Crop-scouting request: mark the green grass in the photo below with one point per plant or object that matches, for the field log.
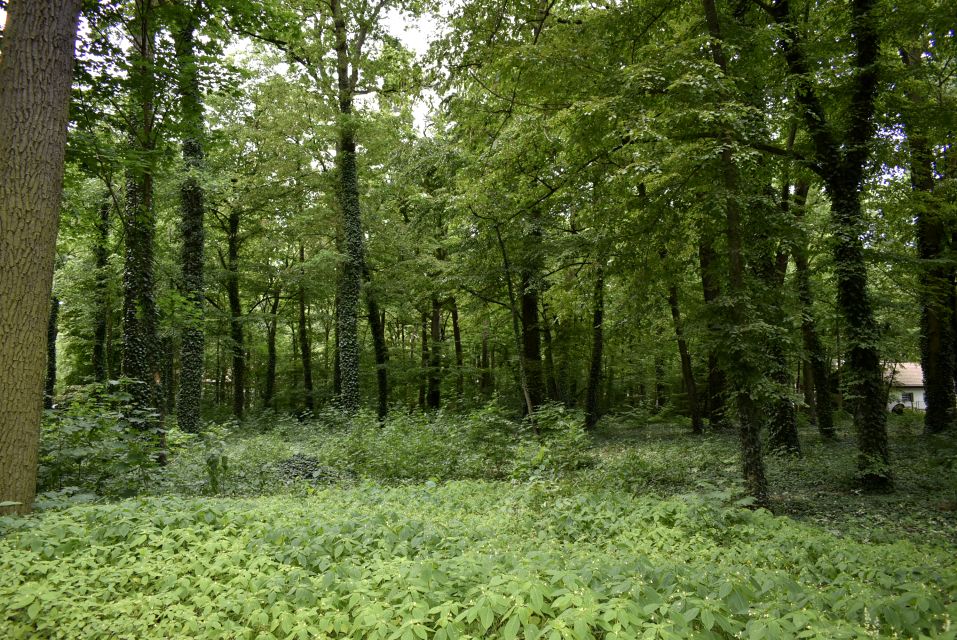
(469, 527)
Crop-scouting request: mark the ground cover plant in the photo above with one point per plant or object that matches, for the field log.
(322, 530)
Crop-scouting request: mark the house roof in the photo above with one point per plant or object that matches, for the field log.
(905, 374)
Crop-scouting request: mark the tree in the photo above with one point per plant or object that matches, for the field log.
(35, 76)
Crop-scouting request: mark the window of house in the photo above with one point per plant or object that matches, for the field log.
(907, 397)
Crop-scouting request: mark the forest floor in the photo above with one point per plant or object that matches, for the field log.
(464, 527)
(818, 487)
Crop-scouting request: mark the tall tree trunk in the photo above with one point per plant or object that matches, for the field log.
(936, 335)
(380, 349)
(661, 392)
(50, 387)
(101, 318)
(818, 383)
(532, 340)
(237, 341)
(459, 357)
(687, 372)
(840, 160)
(305, 347)
(486, 382)
(424, 376)
(193, 347)
(434, 399)
(140, 342)
(272, 325)
(744, 374)
(35, 77)
(592, 392)
(350, 279)
(711, 288)
(551, 381)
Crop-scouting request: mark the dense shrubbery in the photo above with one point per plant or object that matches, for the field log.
(459, 560)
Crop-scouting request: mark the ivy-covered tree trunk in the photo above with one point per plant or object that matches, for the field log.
(840, 157)
(35, 77)
(936, 286)
(193, 347)
(742, 372)
(49, 392)
(101, 294)
(687, 371)
(141, 363)
(593, 390)
(236, 334)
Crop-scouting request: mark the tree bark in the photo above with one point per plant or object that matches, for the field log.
(551, 381)
(434, 399)
(711, 289)
(687, 371)
(35, 76)
(50, 387)
(272, 326)
(741, 369)
(593, 391)
(193, 347)
(101, 318)
(305, 347)
(818, 383)
(237, 340)
(459, 357)
(380, 348)
(424, 377)
(840, 160)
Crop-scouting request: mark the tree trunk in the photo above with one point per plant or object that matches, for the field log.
(551, 381)
(35, 77)
(424, 376)
(486, 382)
(592, 392)
(50, 387)
(101, 319)
(380, 349)
(305, 348)
(840, 162)
(272, 326)
(459, 358)
(237, 341)
(687, 372)
(140, 343)
(193, 347)
(936, 336)
(818, 382)
(434, 399)
(661, 393)
(744, 375)
(532, 340)
(711, 289)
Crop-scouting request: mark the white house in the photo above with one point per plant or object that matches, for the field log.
(906, 380)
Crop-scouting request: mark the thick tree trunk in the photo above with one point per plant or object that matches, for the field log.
(35, 77)
(551, 381)
(237, 340)
(101, 318)
(936, 335)
(50, 388)
(193, 347)
(742, 372)
(592, 392)
(840, 160)
(424, 375)
(305, 347)
(687, 371)
(532, 340)
(140, 343)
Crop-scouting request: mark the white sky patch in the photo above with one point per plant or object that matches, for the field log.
(416, 34)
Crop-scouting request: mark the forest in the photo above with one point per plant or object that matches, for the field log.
(411, 319)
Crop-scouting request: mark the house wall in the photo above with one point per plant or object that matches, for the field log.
(897, 392)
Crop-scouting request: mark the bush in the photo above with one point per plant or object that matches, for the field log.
(98, 443)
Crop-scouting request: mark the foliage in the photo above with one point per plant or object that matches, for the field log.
(98, 442)
(459, 560)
